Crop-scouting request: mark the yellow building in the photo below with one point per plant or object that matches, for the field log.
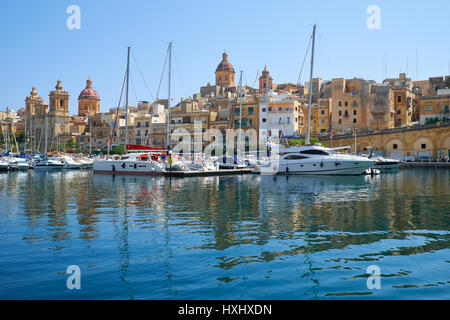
(349, 99)
(435, 108)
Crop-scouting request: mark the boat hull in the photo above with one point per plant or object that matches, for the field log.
(321, 168)
(126, 167)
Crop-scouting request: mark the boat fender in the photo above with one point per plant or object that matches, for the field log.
(321, 164)
(123, 165)
(113, 167)
(287, 169)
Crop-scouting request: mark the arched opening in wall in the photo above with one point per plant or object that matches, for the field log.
(423, 148)
(395, 149)
(61, 103)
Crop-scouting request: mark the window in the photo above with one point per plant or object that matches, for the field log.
(295, 157)
(446, 109)
(346, 103)
(394, 146)
(340, 104)
(429, 108)
(355, 104)
(61, 103)
(264, 109)
(354, 112)
(354, 120)
(147, 124)
(251, 111)
(250, 122)
(323, 111)
(315, 151)
(340, 121)
(346, 113)
(138, 124)
(399, 111)
(323, 121)
(399, 99)
(237, 111)
(264, 120)
(423, 146)
(340, 113)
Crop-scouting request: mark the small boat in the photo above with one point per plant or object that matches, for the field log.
(18, 164)
(372, 172)
(4, 165)
(49, 164)
(384, 163)
(228, 162)
(86, 163)
(70, 163)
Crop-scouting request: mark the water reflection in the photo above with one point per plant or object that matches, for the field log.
(228, 230)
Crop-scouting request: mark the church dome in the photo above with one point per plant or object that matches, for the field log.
(225, 65)
(89, 92)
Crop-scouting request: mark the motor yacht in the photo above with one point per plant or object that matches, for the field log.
(70, 163)
(315, 160)
(18, 164)
(49, 164)
(133, 163)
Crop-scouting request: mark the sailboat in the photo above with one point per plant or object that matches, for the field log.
(133, 163)
(314, 159)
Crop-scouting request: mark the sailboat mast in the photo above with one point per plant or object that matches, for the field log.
(26, 134)
(168, 99)
(46, 131)
(308, 130)
(240, 106)
(126, 99)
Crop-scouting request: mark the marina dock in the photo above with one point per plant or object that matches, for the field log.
(206, 173)
(414, 165)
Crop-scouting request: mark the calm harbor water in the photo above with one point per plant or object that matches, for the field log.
(229, 237)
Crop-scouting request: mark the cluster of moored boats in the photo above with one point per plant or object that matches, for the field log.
(301, 160)
(44, 162)
(314, 160)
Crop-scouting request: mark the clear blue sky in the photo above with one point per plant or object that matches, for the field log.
(37, 48)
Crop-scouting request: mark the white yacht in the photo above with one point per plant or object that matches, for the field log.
(385, 164)
(86, 163)
(133, 163)
(70, 163)
(49, 164)
(228, 162)
(18, 164)
(4, 165)
(315, 160)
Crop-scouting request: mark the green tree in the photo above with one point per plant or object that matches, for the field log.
(118, 149)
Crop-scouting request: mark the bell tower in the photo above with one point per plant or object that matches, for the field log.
(59, 100)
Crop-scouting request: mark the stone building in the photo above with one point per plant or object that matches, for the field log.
(88, 101)
(349, 104)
